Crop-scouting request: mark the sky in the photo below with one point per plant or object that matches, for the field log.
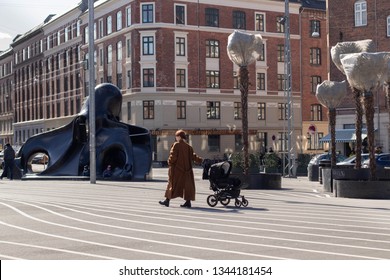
(20, 16)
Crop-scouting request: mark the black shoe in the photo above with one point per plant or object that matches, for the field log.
(164, 202)
(186, 204)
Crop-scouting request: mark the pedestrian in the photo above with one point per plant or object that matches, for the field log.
(181, 182)
(107, 172)
(9, 159)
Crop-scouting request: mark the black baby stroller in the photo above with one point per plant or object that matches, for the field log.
(225, 188)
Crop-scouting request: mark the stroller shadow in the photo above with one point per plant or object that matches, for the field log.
(227, 209)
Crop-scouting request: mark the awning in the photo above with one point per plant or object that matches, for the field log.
(344, 135)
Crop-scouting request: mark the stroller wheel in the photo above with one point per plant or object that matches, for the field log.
(244, 202)
(237, 203)
(212, 200)
(225, 201)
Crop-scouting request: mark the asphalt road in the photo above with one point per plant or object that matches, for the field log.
(73, 220)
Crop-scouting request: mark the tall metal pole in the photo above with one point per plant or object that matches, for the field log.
(287, 91)
(92, 109)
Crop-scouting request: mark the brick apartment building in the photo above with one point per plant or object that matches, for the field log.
(352, 20)
(169, 59)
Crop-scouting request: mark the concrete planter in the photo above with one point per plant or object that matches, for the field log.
(362, 189)
(354, 183)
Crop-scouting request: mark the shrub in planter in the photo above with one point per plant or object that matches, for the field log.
(237, 160)
(272, 162)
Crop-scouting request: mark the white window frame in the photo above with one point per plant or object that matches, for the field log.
(264, 22)
(154, 12)
(148, 33)
(360, 13)
(185, 13)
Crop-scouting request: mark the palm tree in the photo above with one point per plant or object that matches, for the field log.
(330, 94)
(243, 49)
(345, 48)
(366, 72)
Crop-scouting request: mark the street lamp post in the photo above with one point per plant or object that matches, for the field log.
(287, 90)
(83, 5)
(92, 114)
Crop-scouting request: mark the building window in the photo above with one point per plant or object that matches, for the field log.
(118, 20)
(181, 78)
(239, 20)
(147, 13)
(180, 14)
(212, 17)
(119, 51)
(213, 110)
(148, 107)
(261, 111)
(281, 82)
(101, 57)
(236, 84)
(280, 52)
(129, 80)
(109, 25)
(180, 46)
(259, 22)
(212, 48)
(213, 142)
(315, 80)
(261, 56)
(316, 112)
(119, 80)
(148, 45)
(283, 111)
(128, 16)
(181, 109)
(388, 26)
(237, 110)
(238, 143)
(361, 13)
(320, 145)
(260, 81)
(101, 28)
(282, 141)
(315, 27)
(148, 77)
(212, 79)
(280, 24)
(129, 110)
(109, 54)
(315, 56)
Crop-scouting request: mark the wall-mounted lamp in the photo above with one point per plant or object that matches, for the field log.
(315, 33)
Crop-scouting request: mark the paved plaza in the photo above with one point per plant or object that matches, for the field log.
(71, 220)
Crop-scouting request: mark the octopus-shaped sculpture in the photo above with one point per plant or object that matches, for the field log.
(117, 144)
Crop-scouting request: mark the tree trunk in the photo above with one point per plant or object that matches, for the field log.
(369, 112)
(359, 125)
(332, 124)
(244, 85)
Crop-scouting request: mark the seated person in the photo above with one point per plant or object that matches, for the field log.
(107, 172)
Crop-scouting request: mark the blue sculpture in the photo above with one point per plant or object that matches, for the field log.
(117, 144)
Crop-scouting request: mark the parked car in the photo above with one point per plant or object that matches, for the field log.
(40, 159)
(317, 158)
(382, 161)
(351, 161)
